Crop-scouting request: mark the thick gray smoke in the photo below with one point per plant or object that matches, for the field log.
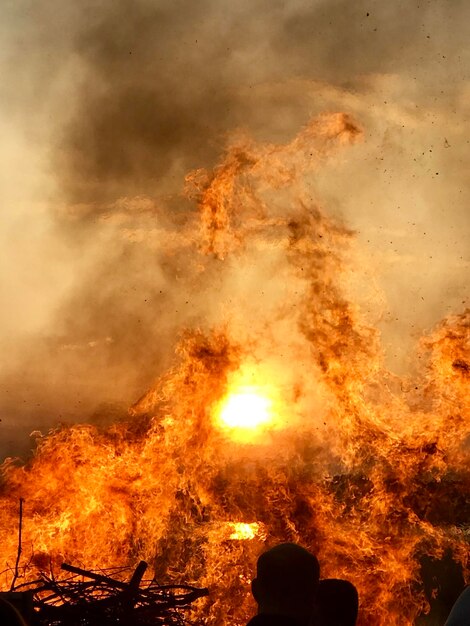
(105, 106)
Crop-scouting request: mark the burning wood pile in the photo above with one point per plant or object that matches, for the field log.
(89, 598)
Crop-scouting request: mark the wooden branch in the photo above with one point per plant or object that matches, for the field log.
(101, 599)
(94, 576)
(138, 575)
(18, 555)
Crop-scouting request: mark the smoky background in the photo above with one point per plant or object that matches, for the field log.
(105, 106)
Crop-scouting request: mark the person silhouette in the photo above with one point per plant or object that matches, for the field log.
(285, 586)
(460, 613)
(9, 616)
(337, 603)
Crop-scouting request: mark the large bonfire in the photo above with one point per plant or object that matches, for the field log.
(277, 422)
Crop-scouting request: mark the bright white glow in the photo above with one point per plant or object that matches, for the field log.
(245, 409)
(242, 531)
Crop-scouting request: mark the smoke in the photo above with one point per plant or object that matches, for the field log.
(106, 107)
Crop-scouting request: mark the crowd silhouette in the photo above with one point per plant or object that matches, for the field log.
(289, 592)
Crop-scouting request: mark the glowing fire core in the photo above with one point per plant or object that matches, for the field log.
(246, 409)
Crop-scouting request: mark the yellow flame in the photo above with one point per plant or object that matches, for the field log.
(242, 531)
(246, 409)
(252, 405)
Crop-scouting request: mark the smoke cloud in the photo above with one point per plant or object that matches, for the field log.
(105, 107)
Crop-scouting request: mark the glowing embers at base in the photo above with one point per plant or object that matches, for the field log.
(246, 408)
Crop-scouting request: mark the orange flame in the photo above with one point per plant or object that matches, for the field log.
(370, 474)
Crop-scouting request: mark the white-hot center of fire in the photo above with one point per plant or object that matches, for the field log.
(246, 408)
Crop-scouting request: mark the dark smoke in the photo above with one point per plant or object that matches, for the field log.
(162, 79)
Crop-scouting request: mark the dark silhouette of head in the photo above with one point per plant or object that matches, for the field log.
(337, 603)
(9, 616)
(286, 582)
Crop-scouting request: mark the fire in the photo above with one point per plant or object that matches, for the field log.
(252, 407)
(242, 531)
(368, 471)
(246, 409)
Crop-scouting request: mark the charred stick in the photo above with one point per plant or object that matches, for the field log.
(18, 555)
(30, 584)
(193, 593)
(138, 575)
(106, 580)
(98, 577)
(131, 594)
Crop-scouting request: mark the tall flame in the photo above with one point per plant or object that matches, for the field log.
(368, 471)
